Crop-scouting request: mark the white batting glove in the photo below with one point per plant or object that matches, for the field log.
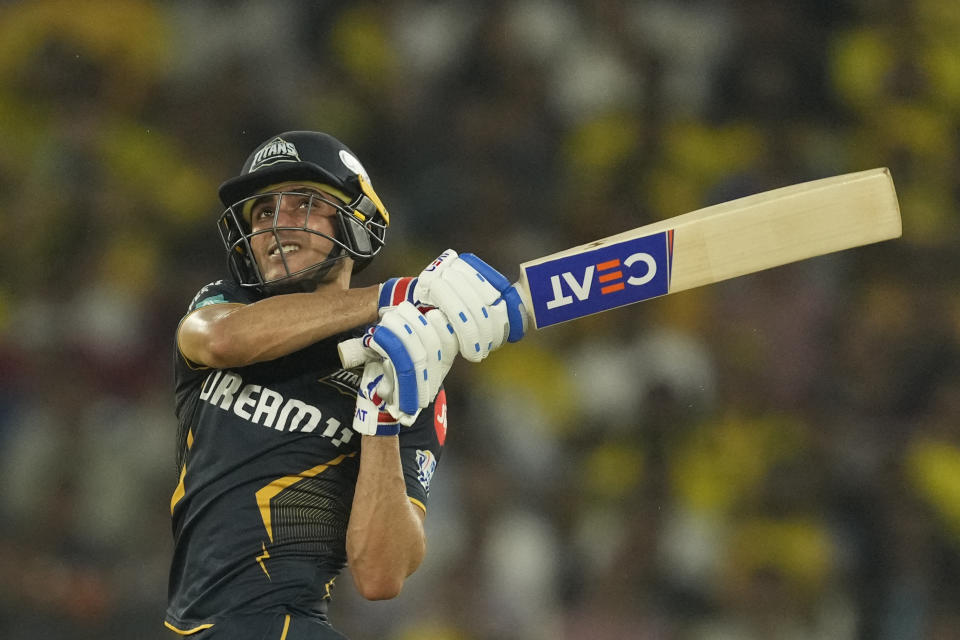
(437, 369)
(371, 417)
(413, 353)
(481, 304)
(509, 301)
(443, 286)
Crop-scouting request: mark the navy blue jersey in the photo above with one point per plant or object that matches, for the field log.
(268, 464)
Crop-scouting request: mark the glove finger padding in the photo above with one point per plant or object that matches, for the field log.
(434, 270)
(481, 305)
(509, 296)
(500, 321)
(448, 347)
(495, 319)
(389, 407)
(415, 355)
(478, 281)
(395, 340)
(388, 404)
(465, 312)
(463, 295)
(426, 335)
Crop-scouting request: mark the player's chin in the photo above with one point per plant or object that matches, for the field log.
(275, 269)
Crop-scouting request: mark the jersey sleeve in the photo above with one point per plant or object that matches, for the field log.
(421, 445)
(219, 292)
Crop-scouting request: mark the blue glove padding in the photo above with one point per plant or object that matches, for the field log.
(508, 294)
(481, 306)
(480, 316)
(390, 346)
(416, 350)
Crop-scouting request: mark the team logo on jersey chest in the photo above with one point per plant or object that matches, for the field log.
(346, 381)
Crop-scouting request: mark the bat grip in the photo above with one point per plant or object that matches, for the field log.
(526, 305)
(354, 353)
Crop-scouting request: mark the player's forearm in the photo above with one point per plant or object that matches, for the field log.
(280, 325)
(385, 539)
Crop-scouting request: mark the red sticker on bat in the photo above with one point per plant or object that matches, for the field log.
(440, 416)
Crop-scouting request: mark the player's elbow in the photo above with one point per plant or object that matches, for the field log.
(225, 348)
(384, 580)
(221, 352)
(378, 587)
(211, 337)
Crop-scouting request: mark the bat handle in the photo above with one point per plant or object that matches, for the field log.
(526, 304)
(354, 353)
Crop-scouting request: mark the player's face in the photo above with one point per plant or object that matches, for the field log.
(280, 244)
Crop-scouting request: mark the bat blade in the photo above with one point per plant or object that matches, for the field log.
(712, 244)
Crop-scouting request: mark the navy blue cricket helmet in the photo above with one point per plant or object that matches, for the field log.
(309, 157)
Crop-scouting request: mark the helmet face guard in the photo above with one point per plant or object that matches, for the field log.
(359, 233)
(310, 158)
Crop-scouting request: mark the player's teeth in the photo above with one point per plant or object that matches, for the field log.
(287, 248)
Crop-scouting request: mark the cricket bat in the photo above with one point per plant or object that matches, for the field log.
(705, 246)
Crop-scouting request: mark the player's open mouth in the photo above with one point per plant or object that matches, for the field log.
(287, 248)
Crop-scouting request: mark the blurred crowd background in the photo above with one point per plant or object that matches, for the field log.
(775, 457)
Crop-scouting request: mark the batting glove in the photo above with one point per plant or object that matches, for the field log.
(413, 353)
(481, 304)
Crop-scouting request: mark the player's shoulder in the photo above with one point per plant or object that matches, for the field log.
(221, 291)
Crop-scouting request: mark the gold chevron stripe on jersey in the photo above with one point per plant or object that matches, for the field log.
(269, 492)
(181, 489)
(186, 632)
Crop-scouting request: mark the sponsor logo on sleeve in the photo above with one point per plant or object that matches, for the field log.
(440, 416)
(426, 465)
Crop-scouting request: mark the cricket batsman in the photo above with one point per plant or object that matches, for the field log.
(286, 474)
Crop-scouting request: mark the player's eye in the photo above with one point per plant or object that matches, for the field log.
(312, 197)
(262, 211)
(297, 200)
(321, 203)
